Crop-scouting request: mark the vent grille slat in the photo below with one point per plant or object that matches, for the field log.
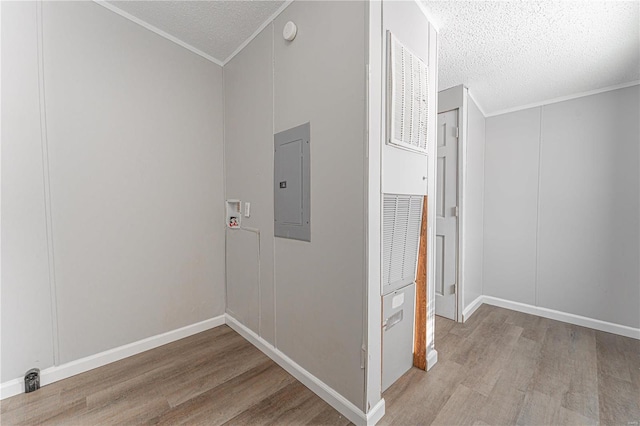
(408, 87)
(402, 216)
(387, 238)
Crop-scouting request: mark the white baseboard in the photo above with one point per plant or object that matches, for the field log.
(595, 324)
(11, 388)
(473, 306)
(376, 413)
(432, 358)
(332, 397)
(53, 374)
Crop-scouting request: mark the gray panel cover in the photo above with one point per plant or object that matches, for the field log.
(291, 183)
(397, 334)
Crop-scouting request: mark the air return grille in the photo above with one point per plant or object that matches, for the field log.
(408, 97)
(402, 215)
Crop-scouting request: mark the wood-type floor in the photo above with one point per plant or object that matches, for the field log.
(212, 378)
(501, 367)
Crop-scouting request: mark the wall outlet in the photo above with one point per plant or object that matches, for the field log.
(32, 380)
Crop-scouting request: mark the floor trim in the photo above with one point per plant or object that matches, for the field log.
(595, 324)
(432, 358)
(332, 397)
(64, 371)
(376, 413)
(473, 306)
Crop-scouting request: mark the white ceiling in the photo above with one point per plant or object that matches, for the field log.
(516, 53)
(216, 28)
(508, 53)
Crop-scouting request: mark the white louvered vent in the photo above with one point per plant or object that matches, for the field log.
(402, 216)
(408, 97)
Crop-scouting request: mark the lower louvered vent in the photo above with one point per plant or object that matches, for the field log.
(402, 215)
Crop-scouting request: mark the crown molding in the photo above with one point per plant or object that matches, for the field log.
(158, 31)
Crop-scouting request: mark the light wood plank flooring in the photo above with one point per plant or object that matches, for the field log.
(501, 367)
(211, 378)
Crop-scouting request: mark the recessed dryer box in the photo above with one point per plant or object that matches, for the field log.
(292, 183)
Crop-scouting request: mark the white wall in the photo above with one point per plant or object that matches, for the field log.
(310, 296)
(134, 130)
(403, 172)
(473, 211)
(561, 207)
(27, 334)
(471, 200)
(373, 311)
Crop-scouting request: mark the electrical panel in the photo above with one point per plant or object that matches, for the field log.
(292, 200)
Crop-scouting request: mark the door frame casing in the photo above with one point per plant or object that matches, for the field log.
(448, 100)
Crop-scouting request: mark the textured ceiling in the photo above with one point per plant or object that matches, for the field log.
(516, 53)
(216, 28)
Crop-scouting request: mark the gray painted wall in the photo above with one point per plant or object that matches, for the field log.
(319, 287)
(473, 203)
(27, 339)
(135, 146)
(572, 245)
(248, 94)
(243, 278)
(589, 219)
(136, 180)
(511, 205)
